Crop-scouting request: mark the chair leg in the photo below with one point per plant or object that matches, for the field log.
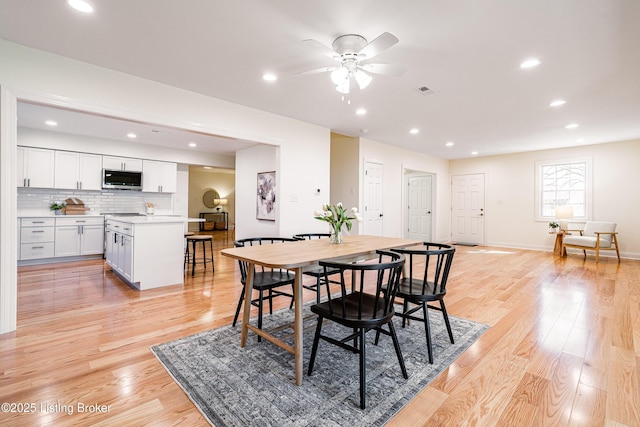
(363, 371)
(405, 308)
(396, 345)
(204, 255)
(446, 320)
(615, 242)
(314, 348)
(260, 300)
(270, 302)
(318, 290)
(193, 258)
(186, 257)
(213, 266)
(427, 331)
(235, 318)
(293, 290)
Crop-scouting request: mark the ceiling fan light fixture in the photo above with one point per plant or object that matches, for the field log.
(338, 76)
(344, 85)
(363, 79)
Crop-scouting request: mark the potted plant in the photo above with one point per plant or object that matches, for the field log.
(57, 207)
(554, 226)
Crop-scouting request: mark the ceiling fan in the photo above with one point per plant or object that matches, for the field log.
(351, 51)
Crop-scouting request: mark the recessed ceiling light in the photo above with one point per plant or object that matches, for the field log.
(361, 111)
(571, 126)
(474, 153)
(51, 123)
(414, 131)
(530, 63)
(81, 6)
(557, 103)
(132, 135)
(193, 144)
(269, 77)
(449, 144)
(207, 167)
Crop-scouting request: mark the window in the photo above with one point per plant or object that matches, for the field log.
(563, 182)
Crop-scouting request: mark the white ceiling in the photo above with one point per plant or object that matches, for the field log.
(466, 51)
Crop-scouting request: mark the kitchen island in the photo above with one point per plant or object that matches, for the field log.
(146, 251)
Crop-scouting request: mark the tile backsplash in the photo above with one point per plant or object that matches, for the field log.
(38, 199)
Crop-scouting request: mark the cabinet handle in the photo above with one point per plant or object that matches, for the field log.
(28, 182)
(37, 222)
(37, 231)
(37, 247)
(81, 220)
(24, 182)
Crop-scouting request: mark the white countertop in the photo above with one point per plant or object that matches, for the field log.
(51, 215)
(154, 219)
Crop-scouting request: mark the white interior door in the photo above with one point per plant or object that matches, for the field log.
(419, 215)
(467, 209)
(372, 216)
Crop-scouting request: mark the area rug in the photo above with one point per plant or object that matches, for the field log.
(255, 385)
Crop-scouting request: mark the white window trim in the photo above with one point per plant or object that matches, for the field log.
(588, 191)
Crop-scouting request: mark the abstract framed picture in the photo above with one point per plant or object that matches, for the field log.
(266, 196)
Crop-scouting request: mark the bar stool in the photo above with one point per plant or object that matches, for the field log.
(191, 257)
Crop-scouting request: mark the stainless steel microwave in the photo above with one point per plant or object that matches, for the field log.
(121, 180)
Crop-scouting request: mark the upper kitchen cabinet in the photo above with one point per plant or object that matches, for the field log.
(35, 167)
(159, 177)
(122, 163)
(79, 171)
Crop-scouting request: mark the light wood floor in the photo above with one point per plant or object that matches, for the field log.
(563, 348)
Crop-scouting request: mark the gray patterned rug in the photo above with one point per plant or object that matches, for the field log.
(255, 385)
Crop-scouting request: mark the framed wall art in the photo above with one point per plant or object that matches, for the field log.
(266, 196)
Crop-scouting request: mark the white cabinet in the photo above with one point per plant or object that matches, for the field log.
(159, 177)
(36, 238)
(35, 167)
(119, 248)
(122, 163)
(80, 171)
(79, 236)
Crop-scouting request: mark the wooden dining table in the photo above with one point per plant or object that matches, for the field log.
(298, 256)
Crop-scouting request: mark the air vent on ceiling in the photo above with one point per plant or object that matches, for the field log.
(424, 90)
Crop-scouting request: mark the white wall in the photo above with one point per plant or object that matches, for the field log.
(509, 194)
(37, 76)
(396, 161)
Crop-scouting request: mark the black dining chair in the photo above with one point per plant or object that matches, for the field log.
(264, 278)
(369, 306)
(316, 272)
(429, 265)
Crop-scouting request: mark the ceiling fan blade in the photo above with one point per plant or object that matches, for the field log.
(320, 48)
(386, 69)
(383, 42)
(319, 70)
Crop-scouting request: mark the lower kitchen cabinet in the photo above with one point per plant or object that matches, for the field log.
(59, 238)
(79, 236)
(37, 237)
